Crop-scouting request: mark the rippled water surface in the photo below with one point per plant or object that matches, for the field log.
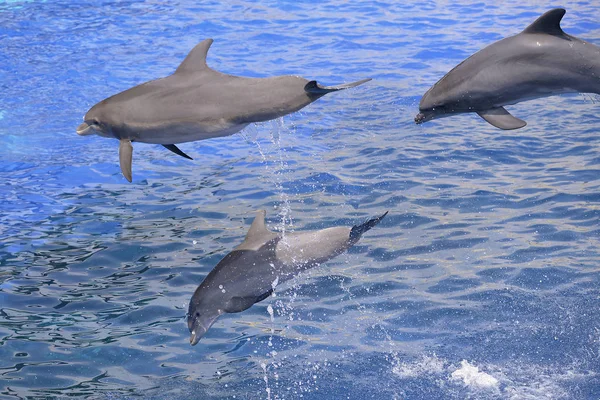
(482, 282)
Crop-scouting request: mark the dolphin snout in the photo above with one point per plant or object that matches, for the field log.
(194, 339)
(84, 129)
(197, 330)
(420, 118)
(196, 335)
(425, 116)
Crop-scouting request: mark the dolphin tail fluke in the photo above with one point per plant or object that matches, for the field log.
(125, 157)
(315, 88)
(177, 151)
(501, 118)
(357, 230)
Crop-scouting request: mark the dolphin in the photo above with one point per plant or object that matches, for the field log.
(196, 103)
(253, 269)
(540, 61)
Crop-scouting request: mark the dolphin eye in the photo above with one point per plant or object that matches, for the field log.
(197, 314)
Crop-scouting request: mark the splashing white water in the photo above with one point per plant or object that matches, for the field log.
(272, 315)
(471, 376)
(426, 365)
(517, 381)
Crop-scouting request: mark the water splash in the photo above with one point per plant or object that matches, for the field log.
(272, 316)
(472, 376)
(275, 160)
(266, 379)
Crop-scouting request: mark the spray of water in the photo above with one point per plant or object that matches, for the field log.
(274, 159)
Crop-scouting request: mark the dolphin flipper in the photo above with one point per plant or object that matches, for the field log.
(177, 151)
(125, 157)
(501, 118)
(357, 230)
(316, 88)
(239, 304)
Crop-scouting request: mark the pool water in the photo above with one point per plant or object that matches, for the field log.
(482, 282)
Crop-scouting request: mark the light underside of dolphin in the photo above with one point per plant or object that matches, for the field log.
(540, 61)
(196, 103)
(251, 272)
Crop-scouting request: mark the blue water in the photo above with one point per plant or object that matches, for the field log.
(482, 282)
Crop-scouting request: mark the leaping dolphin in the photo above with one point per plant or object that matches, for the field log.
(541, 61)
(251, 271)
(195, 103)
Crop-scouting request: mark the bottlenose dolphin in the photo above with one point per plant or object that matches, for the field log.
(541, 61)
(196, 103)
(251, 272)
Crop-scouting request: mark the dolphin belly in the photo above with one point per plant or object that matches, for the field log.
(182, 132)
(297, 251)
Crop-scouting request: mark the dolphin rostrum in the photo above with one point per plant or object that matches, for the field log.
(196, 103)
(251, 272)
(541, 61)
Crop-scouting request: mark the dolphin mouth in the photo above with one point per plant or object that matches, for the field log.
(84, 129)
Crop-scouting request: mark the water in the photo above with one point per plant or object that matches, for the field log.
(482, 282)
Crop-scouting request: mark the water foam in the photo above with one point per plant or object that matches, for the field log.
(510, 381)
(471, 376)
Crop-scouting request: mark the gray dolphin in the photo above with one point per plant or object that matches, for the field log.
(196, 103)
(251, 272)
(541, 61)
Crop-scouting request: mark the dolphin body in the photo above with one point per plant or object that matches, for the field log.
(196, 103)
(251, 272)
(541, 61)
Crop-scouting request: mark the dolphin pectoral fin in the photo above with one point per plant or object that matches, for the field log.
(264, 295)
(176, 150)
(239, 304)
(125, 157)
(500, 118)
(315, 88)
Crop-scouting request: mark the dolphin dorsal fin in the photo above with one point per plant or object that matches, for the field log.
(258, 226)
(548, 23)
(196, 59)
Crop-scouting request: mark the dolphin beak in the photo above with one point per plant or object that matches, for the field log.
(84, 130)
(198, 328)
(420, 118)
(194, 338)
